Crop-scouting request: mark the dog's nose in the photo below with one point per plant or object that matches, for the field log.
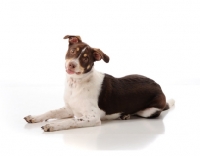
(72, 65)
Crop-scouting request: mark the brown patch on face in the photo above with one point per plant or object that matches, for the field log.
(74, 50)
(86, 59)
(72, 53)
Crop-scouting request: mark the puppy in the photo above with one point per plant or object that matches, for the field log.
(91, 96)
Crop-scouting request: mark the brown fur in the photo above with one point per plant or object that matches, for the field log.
(130, 94)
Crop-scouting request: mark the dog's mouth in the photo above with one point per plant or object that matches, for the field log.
(72, 72)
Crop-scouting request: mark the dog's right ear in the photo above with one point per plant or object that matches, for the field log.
(73, 39)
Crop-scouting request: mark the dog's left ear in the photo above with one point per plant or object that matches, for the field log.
(73, 39)
(98, 55)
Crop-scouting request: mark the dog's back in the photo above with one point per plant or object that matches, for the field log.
(130, 94)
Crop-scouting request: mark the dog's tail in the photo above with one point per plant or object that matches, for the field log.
(169, 104)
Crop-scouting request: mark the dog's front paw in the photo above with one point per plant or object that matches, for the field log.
(48, 128)
(32, 119)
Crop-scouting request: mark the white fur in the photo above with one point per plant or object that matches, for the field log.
(83, 50)
(81, 102)
(108, 117)
(61, 113)
(147, 112)
(77, 59)
(81, 94)
(171, 102)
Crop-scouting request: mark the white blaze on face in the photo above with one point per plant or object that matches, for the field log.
(79, 67)
(82, 52)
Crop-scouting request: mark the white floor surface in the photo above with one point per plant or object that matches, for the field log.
(175, 132)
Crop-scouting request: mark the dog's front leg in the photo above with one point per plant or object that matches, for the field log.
(54, 114)
(85, 121)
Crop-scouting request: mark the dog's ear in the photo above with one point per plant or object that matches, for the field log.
(98, 55)
(73, 39)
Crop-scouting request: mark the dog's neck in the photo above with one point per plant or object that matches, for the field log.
(78, 79)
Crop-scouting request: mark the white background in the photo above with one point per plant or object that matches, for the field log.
(156, 38)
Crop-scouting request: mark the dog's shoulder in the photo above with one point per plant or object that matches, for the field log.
(110, 80)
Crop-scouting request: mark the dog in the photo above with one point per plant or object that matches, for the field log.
(91, 96)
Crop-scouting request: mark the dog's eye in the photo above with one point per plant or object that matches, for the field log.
(72, 51)
(85, 59)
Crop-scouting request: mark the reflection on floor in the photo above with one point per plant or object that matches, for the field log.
(175, 131)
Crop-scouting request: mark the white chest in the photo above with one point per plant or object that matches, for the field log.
(82, 94)
(76, 91)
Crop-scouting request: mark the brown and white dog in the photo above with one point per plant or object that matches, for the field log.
(91, 96)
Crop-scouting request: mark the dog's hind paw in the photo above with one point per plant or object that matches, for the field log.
(125, 117)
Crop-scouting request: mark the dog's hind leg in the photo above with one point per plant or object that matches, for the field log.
(156, 109)
(149, 112)
(156, 106)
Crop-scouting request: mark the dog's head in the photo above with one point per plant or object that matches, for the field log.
(80, 56)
